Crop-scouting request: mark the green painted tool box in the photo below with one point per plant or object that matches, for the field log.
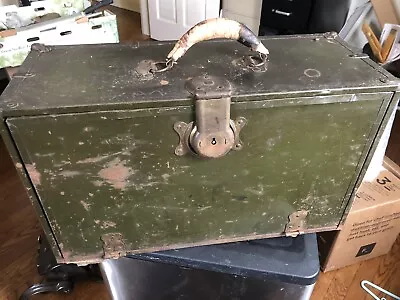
(119, 156)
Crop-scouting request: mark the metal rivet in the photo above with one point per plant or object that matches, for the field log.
(178, 151)
(12, 105)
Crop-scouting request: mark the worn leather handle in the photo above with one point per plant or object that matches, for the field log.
(214, 29)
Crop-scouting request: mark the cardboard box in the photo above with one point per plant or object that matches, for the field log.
(41, 8)
(385, 11)
(391, 166)
(371, 227)
(96, 28)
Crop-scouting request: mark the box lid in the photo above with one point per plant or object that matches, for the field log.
(75, 78)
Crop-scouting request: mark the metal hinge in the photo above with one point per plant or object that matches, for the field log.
(113, 245)
(296, 224)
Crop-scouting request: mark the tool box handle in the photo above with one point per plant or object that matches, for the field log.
(214, 29)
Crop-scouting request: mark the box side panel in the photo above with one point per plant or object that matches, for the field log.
(116, 173)
(384, 115)
(23, 174)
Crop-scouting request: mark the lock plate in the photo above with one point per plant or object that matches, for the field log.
(187, 130)
(213, 134)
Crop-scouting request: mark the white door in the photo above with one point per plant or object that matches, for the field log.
(170, 19)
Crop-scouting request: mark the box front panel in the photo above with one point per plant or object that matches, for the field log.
(116, 172)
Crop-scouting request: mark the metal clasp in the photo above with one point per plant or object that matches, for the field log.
(162, 66)
(258, 61)
(213, 134)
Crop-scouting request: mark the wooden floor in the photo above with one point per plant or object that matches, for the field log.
(19, 230)
(129, 27)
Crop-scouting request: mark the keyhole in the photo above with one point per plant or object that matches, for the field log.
(213, 142)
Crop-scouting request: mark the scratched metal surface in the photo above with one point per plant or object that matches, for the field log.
(116, 172)
(103, 76)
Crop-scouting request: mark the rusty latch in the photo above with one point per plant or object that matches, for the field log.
(113, 245)
(213, 134)
(296, 224)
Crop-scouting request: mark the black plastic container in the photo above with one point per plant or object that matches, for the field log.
(278, 268)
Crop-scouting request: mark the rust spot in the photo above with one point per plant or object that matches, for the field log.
(18, 166)
(164, 82)
(85, 205)
(33, 173)
(68, 173)
(116, 174)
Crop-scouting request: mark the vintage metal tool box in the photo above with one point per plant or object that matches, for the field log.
(121, 155)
